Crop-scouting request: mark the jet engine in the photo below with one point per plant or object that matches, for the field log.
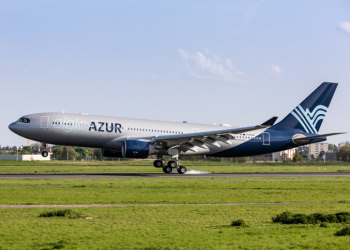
(136, 149)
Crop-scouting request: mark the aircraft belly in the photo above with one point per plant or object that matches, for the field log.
(77, 138)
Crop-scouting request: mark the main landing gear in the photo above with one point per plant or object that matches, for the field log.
(168, 168)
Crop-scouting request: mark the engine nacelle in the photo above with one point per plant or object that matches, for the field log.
(135, 149)
(111, 153)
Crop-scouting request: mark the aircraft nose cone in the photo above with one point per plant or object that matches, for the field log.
(15, 127)
(18, 128)
(12, 126)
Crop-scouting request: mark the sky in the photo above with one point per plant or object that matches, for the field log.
(232, 62)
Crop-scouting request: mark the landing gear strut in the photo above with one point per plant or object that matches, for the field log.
(44, 153)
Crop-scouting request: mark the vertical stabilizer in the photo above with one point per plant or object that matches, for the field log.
(308, 115)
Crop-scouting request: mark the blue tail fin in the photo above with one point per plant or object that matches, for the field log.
(308, 115)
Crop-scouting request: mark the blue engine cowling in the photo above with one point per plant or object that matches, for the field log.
(135, 149)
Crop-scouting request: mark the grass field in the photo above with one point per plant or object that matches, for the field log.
(174, 190)
(151, 169)
(146, 166)
(170, 227)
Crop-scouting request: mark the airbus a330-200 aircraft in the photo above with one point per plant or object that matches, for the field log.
(137, 138)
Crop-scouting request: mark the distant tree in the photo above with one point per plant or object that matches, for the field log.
(83, 152)
(36, 147)
(97, 154)
(297, 157)
(75, 153)
(344, 153)
(57, 152)
(27, 150)
(64, 153)
(72, 154)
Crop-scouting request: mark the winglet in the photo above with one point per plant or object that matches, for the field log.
(270, 122)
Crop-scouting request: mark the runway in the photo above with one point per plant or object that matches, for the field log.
(162, 175)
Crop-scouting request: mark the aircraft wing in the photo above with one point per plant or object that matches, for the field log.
(200, 139)
(190, 140)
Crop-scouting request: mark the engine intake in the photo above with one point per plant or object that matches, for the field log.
(111, 153)
(135, 149)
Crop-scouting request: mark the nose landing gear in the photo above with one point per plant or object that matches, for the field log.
(44, 153)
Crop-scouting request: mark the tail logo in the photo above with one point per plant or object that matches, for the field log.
(309, 119)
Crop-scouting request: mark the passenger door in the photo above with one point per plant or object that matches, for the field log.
(44, 122)
(266, 139)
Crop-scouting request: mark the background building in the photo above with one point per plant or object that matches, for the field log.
(316, 148)
(343, 144)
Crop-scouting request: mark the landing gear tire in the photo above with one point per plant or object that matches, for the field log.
(167, 169)
(44, 153)
(172, 164)
(158, 163)
(182, 170)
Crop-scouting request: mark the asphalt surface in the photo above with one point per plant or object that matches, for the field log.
(172, 175)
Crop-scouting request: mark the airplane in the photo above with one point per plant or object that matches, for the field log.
(140, 138)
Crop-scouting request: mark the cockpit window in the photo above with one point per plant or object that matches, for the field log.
(24, 120)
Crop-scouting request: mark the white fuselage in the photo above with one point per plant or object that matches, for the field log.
(109, 132)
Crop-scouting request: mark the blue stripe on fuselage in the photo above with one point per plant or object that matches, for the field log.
(279, 140)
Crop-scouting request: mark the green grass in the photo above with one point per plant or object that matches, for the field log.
(168, 227)
(184, 227)
(174, 190)
(146, 166)
(151, 169)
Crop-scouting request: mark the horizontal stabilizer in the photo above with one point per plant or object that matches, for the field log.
(270, 122)
(309, 138)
